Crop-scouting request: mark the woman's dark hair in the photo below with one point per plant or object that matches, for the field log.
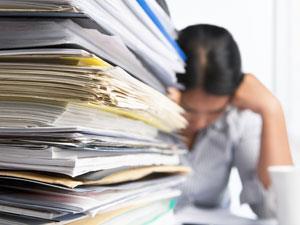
(213, 59)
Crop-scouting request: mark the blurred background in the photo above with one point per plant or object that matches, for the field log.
(268, 34)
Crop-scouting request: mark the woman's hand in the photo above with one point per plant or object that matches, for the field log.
(174, 94)
(253, 95)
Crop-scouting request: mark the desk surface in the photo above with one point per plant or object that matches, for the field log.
(215, 217)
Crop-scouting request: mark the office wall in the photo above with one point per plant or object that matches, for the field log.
(293, 100)
(287, 65)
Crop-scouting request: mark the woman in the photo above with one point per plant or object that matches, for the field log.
(234, 121)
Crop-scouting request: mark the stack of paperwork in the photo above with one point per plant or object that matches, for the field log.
(87, 135)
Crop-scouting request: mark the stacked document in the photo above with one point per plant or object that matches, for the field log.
(19, 32)
(86, 134)
(36, 6)
(141, 25)
(64, 82)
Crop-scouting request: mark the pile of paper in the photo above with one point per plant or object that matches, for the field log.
(84, 136)
(141, 25)
(36, 6)
(19, 32)
(80, 80)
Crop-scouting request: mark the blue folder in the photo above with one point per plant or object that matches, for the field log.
(156, 21)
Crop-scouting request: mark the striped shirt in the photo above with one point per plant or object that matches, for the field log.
(232, 141)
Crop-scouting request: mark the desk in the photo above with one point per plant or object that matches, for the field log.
(215, 217)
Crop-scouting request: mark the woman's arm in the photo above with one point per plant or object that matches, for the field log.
(274, 149)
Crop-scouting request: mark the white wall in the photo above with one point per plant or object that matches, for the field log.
(287, 66)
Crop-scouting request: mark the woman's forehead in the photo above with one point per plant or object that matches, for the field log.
(198, 99)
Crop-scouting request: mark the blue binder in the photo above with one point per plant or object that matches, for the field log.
(156, 21)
